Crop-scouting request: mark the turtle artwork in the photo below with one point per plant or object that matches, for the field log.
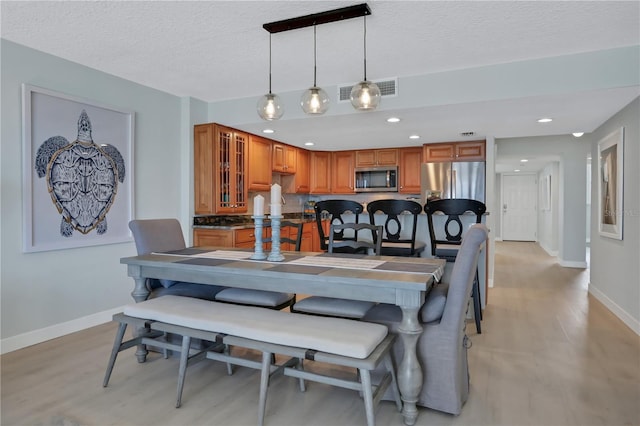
(82, 178)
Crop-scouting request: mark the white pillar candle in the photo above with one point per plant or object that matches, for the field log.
(258, 205)
(276, 195)
(276, 209)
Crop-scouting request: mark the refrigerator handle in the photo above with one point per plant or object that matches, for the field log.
(453, 184)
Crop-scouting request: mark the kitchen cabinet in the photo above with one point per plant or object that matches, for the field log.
(220, 156)
(376, 157)
(259, 171)
(343, 173)
(284, 158)
(298, 183)
(455, 151)
(240, 238)
(315, 235)
(320, 172)
(409, 170)
(307, 237)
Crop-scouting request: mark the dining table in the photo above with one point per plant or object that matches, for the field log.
(401, 281)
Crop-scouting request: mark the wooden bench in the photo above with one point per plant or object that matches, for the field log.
(332, 340)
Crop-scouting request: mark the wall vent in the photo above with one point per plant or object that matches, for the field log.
(388, 87)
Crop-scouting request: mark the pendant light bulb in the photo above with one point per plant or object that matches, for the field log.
(270, 106)
(365, 96)
(314, 100)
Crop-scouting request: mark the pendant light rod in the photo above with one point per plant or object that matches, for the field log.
(365, 47)
(318, 18)
(270, 63)
(314, 57)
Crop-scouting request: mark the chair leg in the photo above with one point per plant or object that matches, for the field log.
(264, 385)
(227, 351)
(114, 352)
(477, 308)
(301, 383)
(182, 371)
(367, 392)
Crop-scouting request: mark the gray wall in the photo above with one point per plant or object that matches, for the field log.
(614, 264)
(44, 293)
(548, 220)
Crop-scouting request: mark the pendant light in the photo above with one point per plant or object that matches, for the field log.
(365, 96)
(270, 106)
(314, 100)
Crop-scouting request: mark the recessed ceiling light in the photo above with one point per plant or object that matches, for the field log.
(545, 120)
(524, 160)
(309, 143)
(516, 170)
(393, 119)
(414, 137)
(577, 134)
(268, 131)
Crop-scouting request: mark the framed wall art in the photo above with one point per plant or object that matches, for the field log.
(610, 184)
(77, 171)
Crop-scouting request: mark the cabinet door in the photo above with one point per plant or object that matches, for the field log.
(386, 157)
(307, 237)
(259, 172)
(320, 172)
(213, 237)
(439, 152)
(231, 168)
(301, 178)
(409, 170)
(343, 172)
(203, 169)
(245, 238)
(284, 158)
(291, 156)
(470, 151)
(366, 158)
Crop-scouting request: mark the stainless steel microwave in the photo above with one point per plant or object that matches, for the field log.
(377, 179)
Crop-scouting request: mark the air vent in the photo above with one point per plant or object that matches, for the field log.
(467, 134)
(388, 87)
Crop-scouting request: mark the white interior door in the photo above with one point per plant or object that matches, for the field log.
(519, 207)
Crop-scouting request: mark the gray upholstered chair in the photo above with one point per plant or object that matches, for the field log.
(262, 298)
(343, 308)
(159, 235)
(443, 343)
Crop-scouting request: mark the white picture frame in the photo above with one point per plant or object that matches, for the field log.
(77, 184)
(611, 184)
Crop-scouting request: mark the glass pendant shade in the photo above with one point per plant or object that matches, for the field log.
(365, 96)
(270, 107)
(314, 101)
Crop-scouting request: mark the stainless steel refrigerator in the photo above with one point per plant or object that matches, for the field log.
(453, 180)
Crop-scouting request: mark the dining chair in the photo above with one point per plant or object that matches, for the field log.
(336, 307)
(446, 241)
(395, 240)
(335, 209)
(262, 298)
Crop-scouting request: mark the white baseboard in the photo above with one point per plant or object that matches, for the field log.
(20, 341)
(624, 316)
(572, 264)
(552, 253)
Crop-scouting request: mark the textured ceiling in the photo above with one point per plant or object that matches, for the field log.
(214, 50)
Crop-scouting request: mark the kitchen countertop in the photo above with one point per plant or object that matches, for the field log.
(232, 222)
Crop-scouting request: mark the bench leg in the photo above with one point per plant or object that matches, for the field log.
(184, 359)
(389, 364)
(264, 385)
(367, 393)
(300, 366)
(227, 351)
(114, 352)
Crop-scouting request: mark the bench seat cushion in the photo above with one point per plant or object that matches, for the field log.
(253, 297)
(332, 335)
(345, 308)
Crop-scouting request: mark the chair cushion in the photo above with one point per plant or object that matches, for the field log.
(447, 252)
(253, 297)
(433, 306)
(333, 307)
(199, 291)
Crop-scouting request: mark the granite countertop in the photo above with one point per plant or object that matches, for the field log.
(242, 221)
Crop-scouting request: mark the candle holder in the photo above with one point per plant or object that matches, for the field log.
(275, 255)
(258, 254)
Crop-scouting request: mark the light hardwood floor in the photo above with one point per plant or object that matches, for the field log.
(549, 354)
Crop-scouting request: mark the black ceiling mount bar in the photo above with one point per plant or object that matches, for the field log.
(318, 18)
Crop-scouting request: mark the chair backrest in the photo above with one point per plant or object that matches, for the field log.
(335, 209)
(375, 243)
(462, 276)
(291, 226)
(453, 227)
(393, 225)
(157, 235)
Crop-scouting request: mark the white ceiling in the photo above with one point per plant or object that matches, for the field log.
(215, 50)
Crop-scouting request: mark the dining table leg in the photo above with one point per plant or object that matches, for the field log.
(140, 293)
(409, 371)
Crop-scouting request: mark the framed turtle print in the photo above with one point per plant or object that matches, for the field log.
(77, 171)
(610, 184)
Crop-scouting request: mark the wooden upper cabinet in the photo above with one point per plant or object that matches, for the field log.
(220, 157)
(259, 173)
(343, 172)
(409, 170)
(320, 172)
(284, 158)
(298, 183)
(455, 151)
(376, 157)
